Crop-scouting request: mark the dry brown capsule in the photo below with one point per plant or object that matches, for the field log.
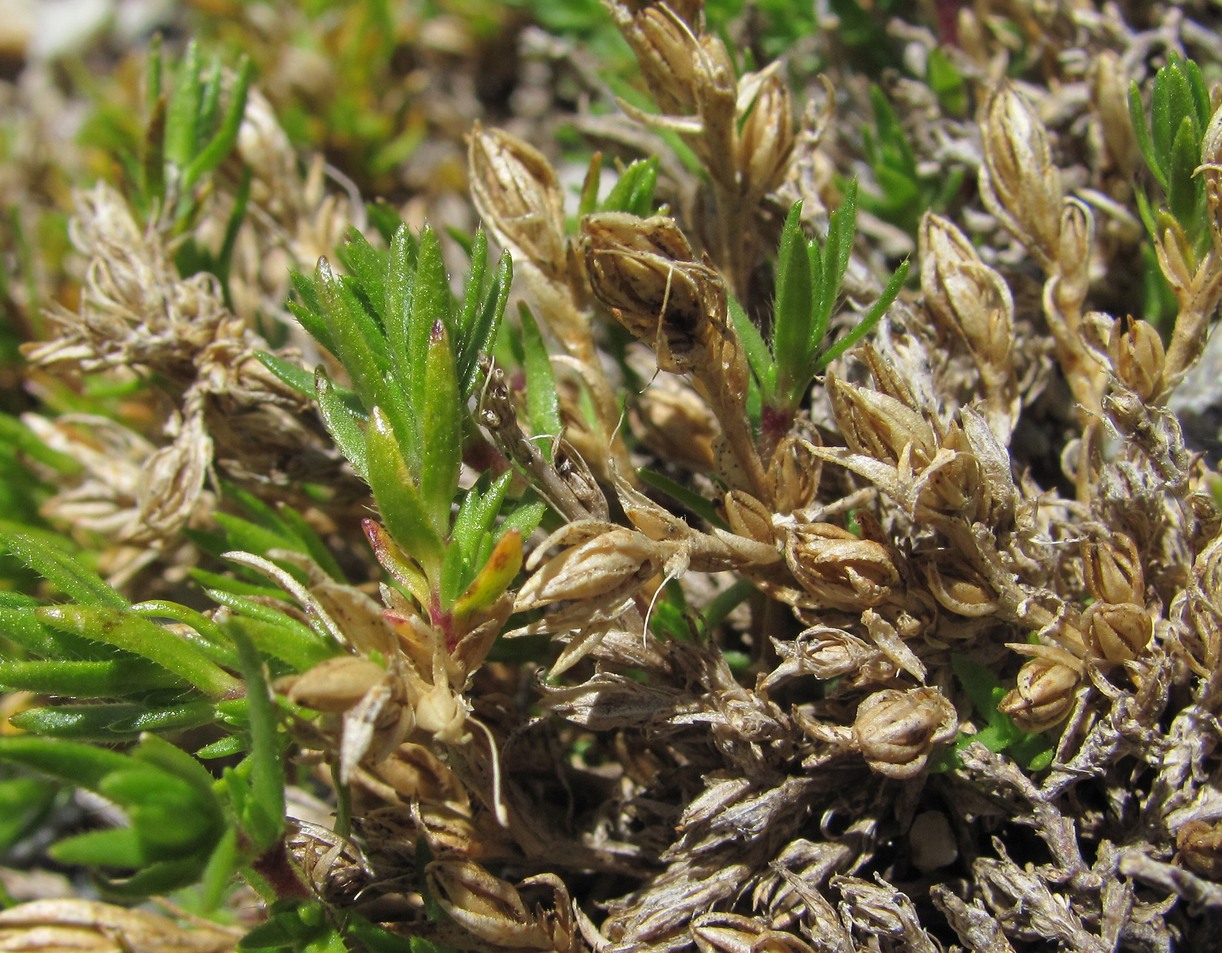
(1117, 633)
(1200, 847)
(766, 139)
(1018, 182)
(1113, 572)
(1137, 357)
(645, 271)
(896, 730)
(1043, 696)
(837, 568)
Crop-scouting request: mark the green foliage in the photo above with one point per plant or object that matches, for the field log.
(411, 350)
(175, 819)
(809, 276)
(1170, 136)
(999, 733)
(904, 193)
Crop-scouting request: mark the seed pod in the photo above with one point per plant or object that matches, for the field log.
(610, 564)
(1200, 847)
(1137, 357)
(1073, 258)
(518, 195)
(335, 684)
(748, 517)
(966, 295)
(766, 139)
(1113, 572)
(1109, 94)
(794, 474)
(1117, 632)
(676, 424)
(489, 908)
(1043, 696)
(644, 270)
(1018, 182)
(667, 51)
(960, 589)
(735, 933)
(896, 730)
(837, 568)
(878, 425)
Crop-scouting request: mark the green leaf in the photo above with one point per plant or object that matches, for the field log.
(184, 108)
(62, 570)
(1185, 197)
(226, 137)
(263, 815)
(342, 424)
(758, 356)
(430, 303)
(25, 804)
(479, 510)
(86, 679)
(867, 323)
(70, 762)
(792, 343)
(114, 847)
(399, 498)
(542, 400)
(482, 336)
(494, 577)
(1141, 129)
(274, 633)
(441, 418)
(144, 638)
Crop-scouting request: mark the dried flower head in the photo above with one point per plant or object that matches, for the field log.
(896, 730)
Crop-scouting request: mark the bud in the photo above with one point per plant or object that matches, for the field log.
(645, 271)
(1137, 356)
(1113, 572)
(1018, 182)
(965, 294)
(837, 568)
(767, 138)
(1043, 696)
(1200, 847)
(896, 730)
(1117, 633)
(517, 193)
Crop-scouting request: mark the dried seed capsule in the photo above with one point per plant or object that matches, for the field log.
(1043, 696)
(645, 271)
(748, 517)
(1211, 173)
(766, 140)
(667, 52)
(794, 474)
(1117, 633)
(1200, 847)
(517, 193)
(896, 730)
(1018, 182)
(837, 568)
(960, 589)
(879, 425)
(965, 294)
(1113, 572)
(1137, 356)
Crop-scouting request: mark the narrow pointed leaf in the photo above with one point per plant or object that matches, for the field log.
(399, 498)
(62, 570)
(144, 638)
(441, 425)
